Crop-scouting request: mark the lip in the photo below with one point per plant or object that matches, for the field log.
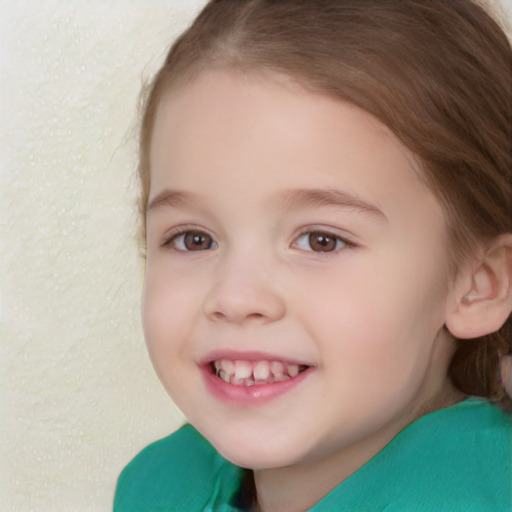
(246, 396)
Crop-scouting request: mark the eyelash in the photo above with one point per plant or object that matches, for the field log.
(171, 240)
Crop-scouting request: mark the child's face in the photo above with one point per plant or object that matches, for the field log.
(287, 230)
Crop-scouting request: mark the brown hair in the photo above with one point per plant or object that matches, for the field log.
(438, 73)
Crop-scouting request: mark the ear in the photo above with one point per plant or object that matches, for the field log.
(481, 298)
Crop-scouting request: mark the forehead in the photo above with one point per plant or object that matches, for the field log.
(233, 130)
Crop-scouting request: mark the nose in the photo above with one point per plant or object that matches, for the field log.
(242, 293)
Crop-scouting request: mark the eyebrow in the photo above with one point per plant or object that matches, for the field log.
(330, 197)
(287, 200)
(170, 198)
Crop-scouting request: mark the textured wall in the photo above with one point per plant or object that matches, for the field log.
(79, 397)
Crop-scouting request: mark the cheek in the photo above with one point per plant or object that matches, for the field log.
(377, 360)
(165, 310)
(167, 320)
(381, 317)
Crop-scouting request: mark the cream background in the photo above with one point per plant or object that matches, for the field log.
(79, 397)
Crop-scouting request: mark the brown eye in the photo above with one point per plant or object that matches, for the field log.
(321, 242)
(318, 241)
(192, 241)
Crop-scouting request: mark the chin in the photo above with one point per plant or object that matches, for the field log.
(253, 452)
(252, 458)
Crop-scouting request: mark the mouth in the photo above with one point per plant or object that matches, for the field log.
(252, 379)
(246, 373)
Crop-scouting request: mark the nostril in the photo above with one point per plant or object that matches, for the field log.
(218, 315)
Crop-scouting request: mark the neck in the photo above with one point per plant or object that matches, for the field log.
(298, 488)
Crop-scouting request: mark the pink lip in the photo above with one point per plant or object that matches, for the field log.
(246, 396)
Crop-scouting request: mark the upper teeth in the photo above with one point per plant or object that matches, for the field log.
(249, 373)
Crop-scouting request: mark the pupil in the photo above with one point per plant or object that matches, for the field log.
(195, 241)
(321, 242)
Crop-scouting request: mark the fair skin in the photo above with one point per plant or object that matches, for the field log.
(251, 262)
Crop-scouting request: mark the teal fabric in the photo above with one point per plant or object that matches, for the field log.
(457, 459)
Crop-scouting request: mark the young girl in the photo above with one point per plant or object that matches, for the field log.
(326, 192)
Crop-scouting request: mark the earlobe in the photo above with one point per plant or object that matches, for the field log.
(482, 294)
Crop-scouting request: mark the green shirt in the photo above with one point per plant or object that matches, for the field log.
(456, 459)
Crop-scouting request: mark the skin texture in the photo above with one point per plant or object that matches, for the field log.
(367, 317)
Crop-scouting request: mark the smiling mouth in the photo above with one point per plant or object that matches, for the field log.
(254, 373)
